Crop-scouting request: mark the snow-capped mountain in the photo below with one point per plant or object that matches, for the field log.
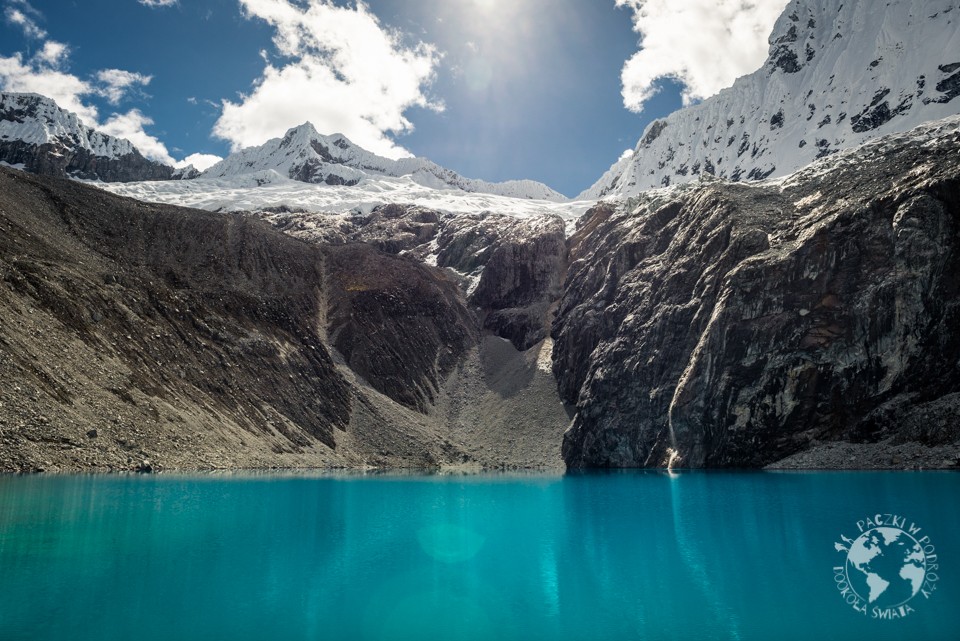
(305, 155)
(39, 136)
(839, 73)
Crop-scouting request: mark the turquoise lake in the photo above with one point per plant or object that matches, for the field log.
(638, 555)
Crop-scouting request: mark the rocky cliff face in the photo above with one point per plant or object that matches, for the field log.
(39, 136)
(738, 324)
(838, 74)
(523, 262)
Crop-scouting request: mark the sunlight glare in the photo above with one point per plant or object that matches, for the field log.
(486, 5)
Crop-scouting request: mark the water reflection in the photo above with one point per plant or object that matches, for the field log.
(615, 556)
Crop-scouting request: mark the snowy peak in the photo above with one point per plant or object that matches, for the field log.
(303, 154)
(37, 120)
(334, 149)
(838, 73)
(40, 137)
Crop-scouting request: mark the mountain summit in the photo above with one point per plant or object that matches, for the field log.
(39, 136)
(838, 74)
(306, 155)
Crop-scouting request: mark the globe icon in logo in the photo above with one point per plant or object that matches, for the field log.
(886, 567)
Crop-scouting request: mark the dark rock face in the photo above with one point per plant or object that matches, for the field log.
(949, 87)
(314, 171)
(653, 132)
(878, 112)
(61, 160)
(397, 228)
(740, 325)
(520, 265)
(400, 326)
(785, 59)
(524, 267)
(185, 173)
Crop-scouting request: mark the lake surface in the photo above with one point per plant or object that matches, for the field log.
(601, 556)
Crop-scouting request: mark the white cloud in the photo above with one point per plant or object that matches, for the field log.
(116, 82)
(131, 126)
(200, 161)
(703, 44)
(627, 153)
(37, 75)
(346, 73)
(20, 18)
(158, 3)
(53, 53)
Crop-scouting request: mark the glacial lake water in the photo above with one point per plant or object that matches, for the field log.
(597, 556)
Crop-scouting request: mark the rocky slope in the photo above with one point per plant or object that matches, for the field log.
(39, 136)
(305, 155)
(140, 336)
(839, 73)
(812, 319)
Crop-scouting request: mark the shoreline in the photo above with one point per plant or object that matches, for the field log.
(823, 457)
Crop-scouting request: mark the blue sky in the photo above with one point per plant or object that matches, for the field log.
(494, 89)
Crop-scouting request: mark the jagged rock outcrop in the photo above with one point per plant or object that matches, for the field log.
(56, 159)
(521, 263)
(189, 172)
(838, 73)
(40, 137)
(739, 324)
(398, 228)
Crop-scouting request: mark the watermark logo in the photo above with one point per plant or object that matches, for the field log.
(889, 566)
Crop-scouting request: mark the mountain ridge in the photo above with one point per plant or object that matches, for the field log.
(146, 337)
